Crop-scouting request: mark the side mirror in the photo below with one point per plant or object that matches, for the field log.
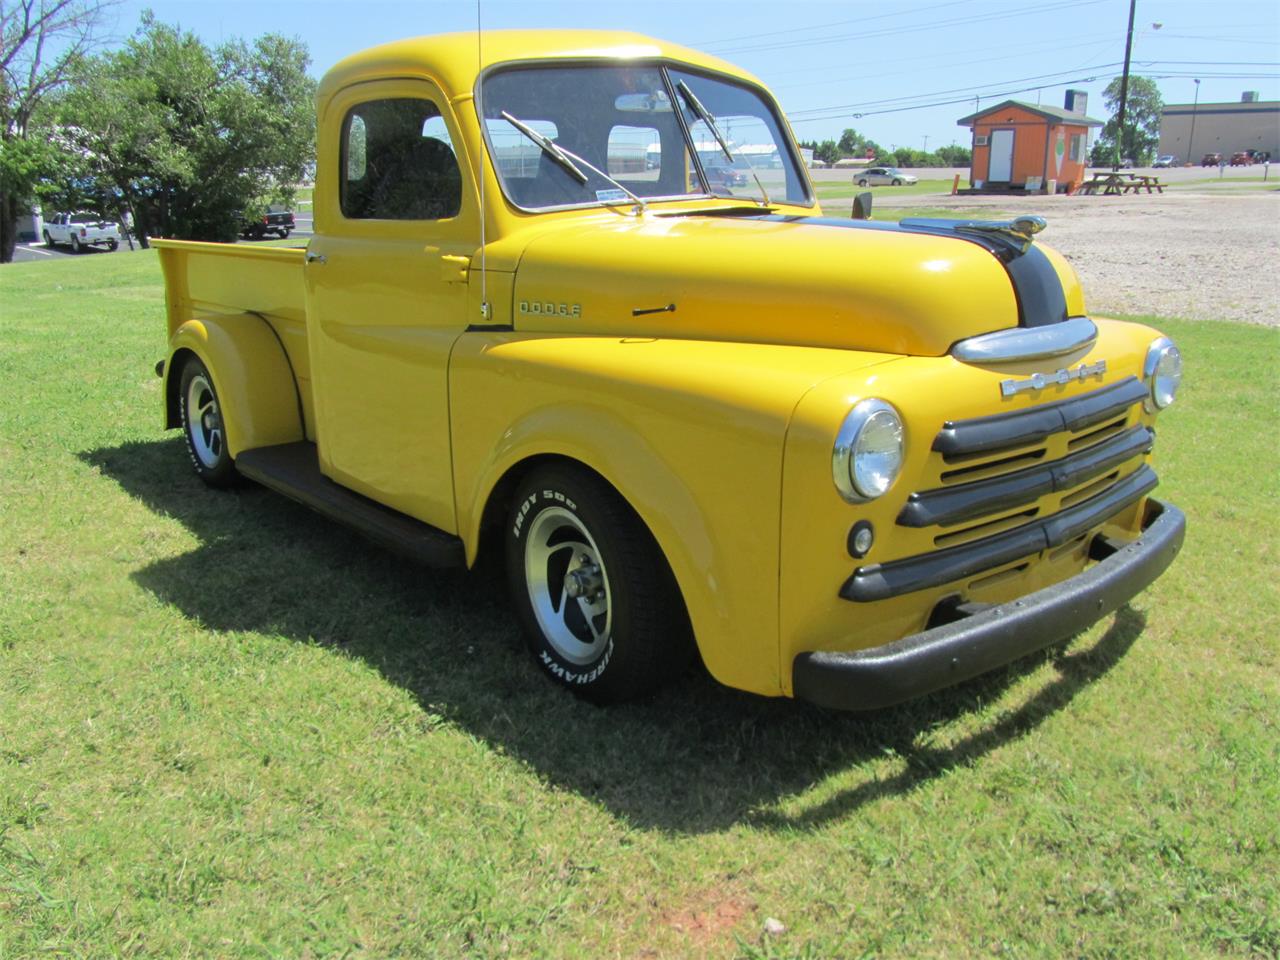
(862, 206)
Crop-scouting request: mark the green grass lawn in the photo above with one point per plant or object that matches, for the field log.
(839, 190)
(230, 728)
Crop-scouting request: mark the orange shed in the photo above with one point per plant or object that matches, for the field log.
(1024, 146)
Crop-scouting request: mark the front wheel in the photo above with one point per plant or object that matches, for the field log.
(597, 602)
(48, 240)
(897, 183)
(112, 244)
(203, 427)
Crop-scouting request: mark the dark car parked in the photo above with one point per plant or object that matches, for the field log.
(1211, 160)
(279, 222)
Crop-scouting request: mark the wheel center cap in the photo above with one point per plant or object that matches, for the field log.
(585, 581)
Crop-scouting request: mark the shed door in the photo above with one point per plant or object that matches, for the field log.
(1000, 169)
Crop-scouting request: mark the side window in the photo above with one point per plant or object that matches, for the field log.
(398, 163)
(1077, 148)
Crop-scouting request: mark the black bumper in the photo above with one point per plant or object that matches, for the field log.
(924, 662)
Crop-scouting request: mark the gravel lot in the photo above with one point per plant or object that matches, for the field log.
(1198, 256)
(1204, 252)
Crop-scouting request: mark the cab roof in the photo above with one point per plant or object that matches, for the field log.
(454, 60)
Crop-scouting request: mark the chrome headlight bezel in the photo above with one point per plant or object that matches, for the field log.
(1162, 370)
(853, 483)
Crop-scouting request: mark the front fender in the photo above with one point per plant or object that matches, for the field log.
(690, 433)
(251, 373)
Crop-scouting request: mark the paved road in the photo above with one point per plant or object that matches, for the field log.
(27, 252)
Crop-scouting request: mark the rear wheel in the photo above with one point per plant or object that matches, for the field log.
(112, 244)
(862, 182)
(203, 426)
(897, 183)
(75, 244)
(596, 600)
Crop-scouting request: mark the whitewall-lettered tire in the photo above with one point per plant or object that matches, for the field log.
(203, 427)
(596, 600)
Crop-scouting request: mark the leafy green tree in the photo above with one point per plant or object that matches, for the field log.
(954, 155)
(854, 144)
(827, 151)
(190, 138)
(1141, 134)
(42, 45)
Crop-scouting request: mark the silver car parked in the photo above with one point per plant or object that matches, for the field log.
(883, 176)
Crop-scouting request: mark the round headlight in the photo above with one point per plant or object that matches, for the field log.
(1163, 372)
(868, 451)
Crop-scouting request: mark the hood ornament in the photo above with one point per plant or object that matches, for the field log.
(1021, 230)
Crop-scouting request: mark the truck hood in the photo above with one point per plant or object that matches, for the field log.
(747, 275)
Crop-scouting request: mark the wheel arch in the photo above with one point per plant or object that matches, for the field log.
(488, 538)
(484, 541)
(256, 387)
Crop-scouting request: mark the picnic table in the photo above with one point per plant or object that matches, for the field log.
(1116, 182)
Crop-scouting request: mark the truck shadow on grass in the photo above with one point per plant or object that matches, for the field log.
(697, 757)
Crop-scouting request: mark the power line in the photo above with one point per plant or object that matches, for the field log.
(1021, 54)
(1006, 93)
(936, 25)
(823, 26)
(971, 90)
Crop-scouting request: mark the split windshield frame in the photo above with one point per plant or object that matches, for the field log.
(662, 64)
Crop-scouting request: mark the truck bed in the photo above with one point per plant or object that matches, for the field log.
(225, 279)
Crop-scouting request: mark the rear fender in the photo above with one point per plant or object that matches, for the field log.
(251, 373)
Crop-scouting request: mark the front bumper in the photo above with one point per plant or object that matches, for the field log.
(936, 658)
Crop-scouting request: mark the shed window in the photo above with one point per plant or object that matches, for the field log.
(396, 163)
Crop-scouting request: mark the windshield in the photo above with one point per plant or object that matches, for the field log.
(621, 119)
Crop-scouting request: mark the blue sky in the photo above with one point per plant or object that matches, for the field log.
(829, 62)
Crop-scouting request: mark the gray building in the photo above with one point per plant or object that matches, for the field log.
(1219, 128)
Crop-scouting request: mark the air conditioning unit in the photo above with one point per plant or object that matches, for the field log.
(980, 140)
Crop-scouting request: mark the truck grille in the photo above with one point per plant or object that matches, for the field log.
(989, 478)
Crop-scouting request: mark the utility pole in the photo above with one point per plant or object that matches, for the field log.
(1124, 87)
(926, 143)
(1191, 153)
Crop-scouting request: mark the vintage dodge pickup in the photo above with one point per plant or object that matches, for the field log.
(841, 460)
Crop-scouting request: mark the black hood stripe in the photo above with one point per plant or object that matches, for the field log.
(1036, 285)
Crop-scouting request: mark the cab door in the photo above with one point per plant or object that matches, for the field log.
(386, 277)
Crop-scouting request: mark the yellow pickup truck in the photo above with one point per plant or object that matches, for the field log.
(571, 303)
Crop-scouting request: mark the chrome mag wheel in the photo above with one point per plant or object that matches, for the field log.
(204, 422)
(568, 585)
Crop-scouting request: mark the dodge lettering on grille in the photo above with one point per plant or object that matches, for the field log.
(1038, 381)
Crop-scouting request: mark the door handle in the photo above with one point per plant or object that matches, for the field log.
(316, 257)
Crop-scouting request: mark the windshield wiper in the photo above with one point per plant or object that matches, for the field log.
(705, 116)
(565, 158)
(547, 146)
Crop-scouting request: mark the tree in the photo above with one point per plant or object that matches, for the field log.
(954, 155)
(827, 152)
(42, 44)
(1141, 133)
(189, 138)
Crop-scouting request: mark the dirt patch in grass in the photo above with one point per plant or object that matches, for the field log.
(708, 919)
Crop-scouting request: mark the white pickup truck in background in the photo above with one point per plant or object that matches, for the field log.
(81, 230)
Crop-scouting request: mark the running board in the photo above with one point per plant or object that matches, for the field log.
(294, 470)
